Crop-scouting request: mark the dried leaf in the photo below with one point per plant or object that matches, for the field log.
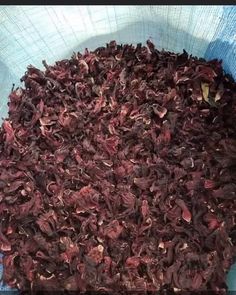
(205, 91)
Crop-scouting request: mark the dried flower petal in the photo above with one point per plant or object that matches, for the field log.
(116, 176)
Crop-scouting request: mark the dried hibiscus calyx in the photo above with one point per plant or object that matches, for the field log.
(117, 172)
(159, 110)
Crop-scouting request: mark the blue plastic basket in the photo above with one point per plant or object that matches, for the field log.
(29, 34)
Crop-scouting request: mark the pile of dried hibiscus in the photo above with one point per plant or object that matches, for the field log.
(118, 172)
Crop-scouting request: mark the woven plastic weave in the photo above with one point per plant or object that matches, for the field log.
(29, 34)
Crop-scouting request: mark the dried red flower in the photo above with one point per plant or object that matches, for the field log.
(117, 172)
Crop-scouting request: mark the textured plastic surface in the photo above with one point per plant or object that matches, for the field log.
(29, 34)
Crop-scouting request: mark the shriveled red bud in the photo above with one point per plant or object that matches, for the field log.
(133, 262)
(186, 215)
(160, 110)
(209, 184)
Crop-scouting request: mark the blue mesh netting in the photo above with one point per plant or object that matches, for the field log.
(29, 34)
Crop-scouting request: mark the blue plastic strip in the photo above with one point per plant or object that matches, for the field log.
(223, 45)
